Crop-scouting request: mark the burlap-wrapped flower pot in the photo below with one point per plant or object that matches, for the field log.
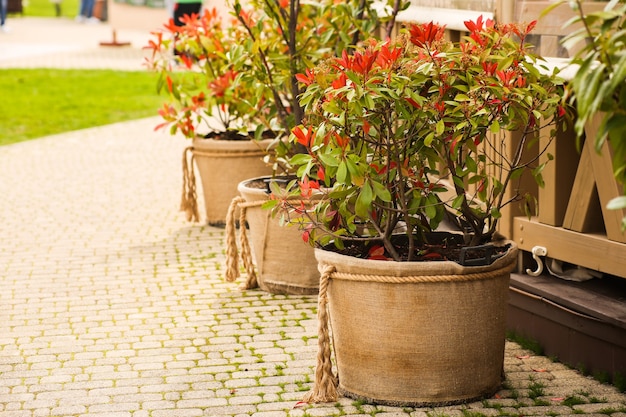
(411, 333)
(222, 165)
(273, 247)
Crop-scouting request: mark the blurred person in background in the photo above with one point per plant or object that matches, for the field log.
(4, 6)
(185, 7)
(85, 13)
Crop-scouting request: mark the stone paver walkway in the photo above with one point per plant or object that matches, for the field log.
(111, 304)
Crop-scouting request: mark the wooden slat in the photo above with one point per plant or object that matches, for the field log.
(552, 23)
(607, 185)
(558, 175)
(550, 26)
(587, 250)
(583, 210)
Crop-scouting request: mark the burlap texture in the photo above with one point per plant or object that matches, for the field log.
(222, 164)
(274, 246)
(434, 342)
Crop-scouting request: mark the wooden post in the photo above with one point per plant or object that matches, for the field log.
(558, 175)
(505, 11)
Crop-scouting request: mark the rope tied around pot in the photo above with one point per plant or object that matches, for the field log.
(215, 154)
(189, 198)
(326, 383)
(232, 253)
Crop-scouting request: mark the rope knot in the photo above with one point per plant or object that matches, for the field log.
(189, 198)
(232, 253)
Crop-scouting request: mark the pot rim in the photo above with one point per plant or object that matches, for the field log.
(208, 144)
(358, 266)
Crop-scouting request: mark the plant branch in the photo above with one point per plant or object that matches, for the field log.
(282, 111)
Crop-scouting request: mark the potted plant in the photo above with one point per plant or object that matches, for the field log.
(211, 105)
(401, 135)
(268, 240)
(282, 38)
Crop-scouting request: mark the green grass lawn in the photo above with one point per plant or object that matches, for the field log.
(41, 102)
(45, 8)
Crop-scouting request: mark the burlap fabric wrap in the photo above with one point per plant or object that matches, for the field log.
(414, 334)
(221, 164)
(284, 263)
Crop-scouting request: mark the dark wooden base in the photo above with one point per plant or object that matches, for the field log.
(580, 324)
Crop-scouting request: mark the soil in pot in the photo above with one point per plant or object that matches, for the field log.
(441, 246)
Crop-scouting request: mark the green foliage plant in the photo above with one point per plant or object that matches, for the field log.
(285, 37)
(599, 84)
(195, 66)
(403, 130)
(243, 73)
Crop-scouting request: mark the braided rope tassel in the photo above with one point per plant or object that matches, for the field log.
(246, 252)
(232, 254)
(189, 199)
(325, 386)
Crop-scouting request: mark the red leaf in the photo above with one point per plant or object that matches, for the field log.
(432, 256)
(307, 78)
(377, 253)
(413, 102)
(425, 34)
(305, 139)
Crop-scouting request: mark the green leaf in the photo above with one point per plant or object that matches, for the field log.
(364, 201)
(440, 127)
(506, 62)
(617, 203)
(342, 173)
(537, 174)
(471, 164)
(494, 127)
(458, 201)
(517, 173)
(498, 187)
(353, 170)
(429, 139)
(431, 206)
(328, 159)
(300, 159)
(270, 204)
(332, 107)
(381, 191)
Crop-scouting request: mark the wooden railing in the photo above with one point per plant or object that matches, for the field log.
(573, 223)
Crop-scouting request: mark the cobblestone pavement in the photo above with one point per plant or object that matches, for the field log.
(113, 305)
